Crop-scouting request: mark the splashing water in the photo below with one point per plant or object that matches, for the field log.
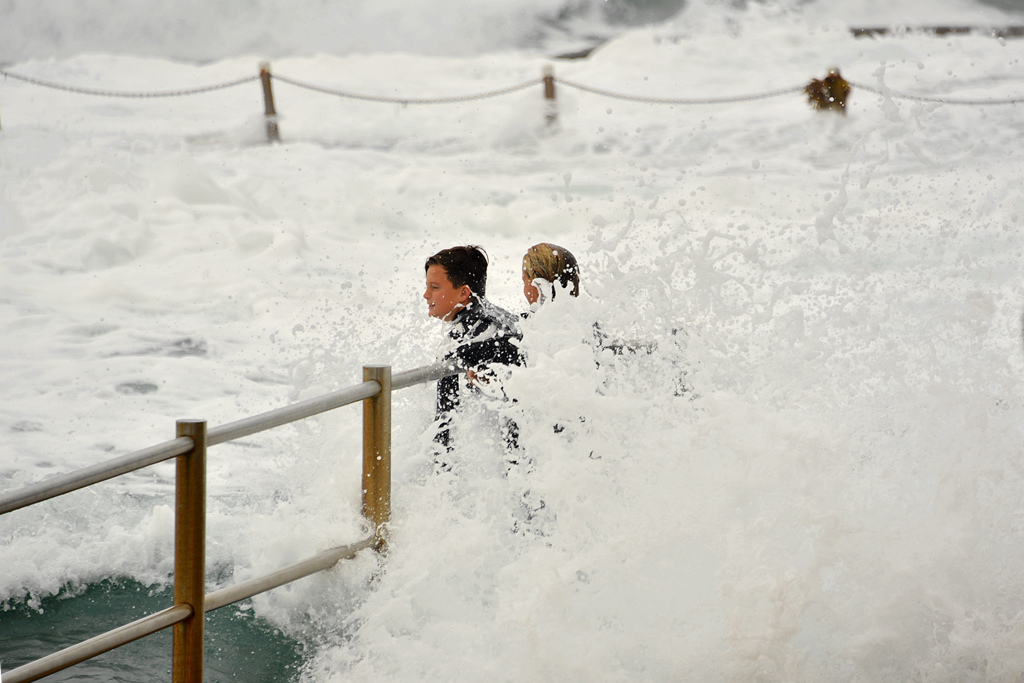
(805, 465)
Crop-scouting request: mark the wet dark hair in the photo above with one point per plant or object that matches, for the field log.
(464, 266)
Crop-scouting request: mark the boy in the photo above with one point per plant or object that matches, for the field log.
(479, 334)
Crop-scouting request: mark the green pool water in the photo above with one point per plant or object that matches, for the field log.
(239, 646)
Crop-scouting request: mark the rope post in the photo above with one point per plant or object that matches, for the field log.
(551, 104)
(190, 554)
(268, 104)
(377, 453)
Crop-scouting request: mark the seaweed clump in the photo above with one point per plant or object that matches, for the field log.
(829, 93)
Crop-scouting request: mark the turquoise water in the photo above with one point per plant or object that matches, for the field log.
(239, 647)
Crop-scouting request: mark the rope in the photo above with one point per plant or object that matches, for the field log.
(493, 93)
(408, 100)
(115, 93)
(657, 100)
(940, 100)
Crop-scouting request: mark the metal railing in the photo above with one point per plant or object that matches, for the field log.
(191, 602)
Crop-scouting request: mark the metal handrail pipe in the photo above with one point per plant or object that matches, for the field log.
(420, 375)
(72, 481)
(87, 476)
(58, 486)
(291, 413)
(293, 572)
(104, 642)
(322, 404)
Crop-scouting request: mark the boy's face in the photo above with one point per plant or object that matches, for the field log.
(444, 299)
(530, 290)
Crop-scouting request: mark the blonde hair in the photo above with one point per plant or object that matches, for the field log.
(554, 264)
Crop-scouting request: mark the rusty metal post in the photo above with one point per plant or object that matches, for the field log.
(550, 102)
(377, 452)
(190, 554)
(273, 135)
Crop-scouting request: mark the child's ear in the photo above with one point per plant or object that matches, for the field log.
(465, 293)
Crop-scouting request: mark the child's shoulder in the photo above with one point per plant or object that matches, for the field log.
(498, 316)
(482, 316)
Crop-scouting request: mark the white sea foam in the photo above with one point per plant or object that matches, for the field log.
(809, 468)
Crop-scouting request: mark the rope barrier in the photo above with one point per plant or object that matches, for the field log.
(939, 100)
(408, 100)
(493, 93)
(774, 93)
(115, 93)
(657, 100)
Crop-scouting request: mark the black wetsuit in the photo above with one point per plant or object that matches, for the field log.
(482, 334)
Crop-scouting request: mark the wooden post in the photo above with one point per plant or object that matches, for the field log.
(377, 453)
(551, 105)
(273, 135)
(190, 554)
